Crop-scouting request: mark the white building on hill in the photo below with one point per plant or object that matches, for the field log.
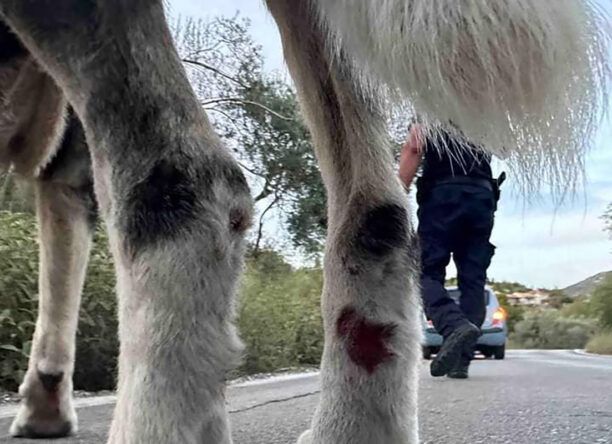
(532, 298)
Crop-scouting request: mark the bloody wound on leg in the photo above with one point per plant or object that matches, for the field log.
(366, 342)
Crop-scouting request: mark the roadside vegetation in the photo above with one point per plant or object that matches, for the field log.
(601, 343)
(583, 322)
(278, 317)
(278, 313)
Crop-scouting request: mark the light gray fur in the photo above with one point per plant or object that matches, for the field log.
(176, 285)
(65, 240)
(356, 164)
(31, 116)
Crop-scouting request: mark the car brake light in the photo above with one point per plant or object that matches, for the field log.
(499, 316)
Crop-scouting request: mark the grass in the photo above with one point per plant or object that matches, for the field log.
(601, 343)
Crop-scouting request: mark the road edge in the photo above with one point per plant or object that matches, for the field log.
(582, 352)
(10, 410)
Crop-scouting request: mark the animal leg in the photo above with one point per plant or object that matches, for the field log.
(370, 303)
(175, 203)
(65, 225)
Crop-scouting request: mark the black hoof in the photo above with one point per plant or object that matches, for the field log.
(32, 432)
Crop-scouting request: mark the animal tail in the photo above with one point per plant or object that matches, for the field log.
(526, 78)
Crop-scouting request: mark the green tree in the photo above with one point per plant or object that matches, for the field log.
(258, 117)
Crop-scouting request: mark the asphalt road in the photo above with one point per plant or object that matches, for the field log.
(556, 397)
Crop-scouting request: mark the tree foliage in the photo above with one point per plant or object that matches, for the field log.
(257, 115)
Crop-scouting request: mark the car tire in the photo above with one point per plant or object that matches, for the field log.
(500, 352)
(427, 353)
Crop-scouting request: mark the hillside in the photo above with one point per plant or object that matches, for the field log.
(586, 287)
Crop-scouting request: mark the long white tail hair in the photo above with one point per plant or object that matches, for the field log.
(526, 78)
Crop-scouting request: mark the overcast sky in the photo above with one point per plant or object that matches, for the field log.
(537, 245)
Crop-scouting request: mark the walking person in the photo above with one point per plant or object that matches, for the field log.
(457, 198)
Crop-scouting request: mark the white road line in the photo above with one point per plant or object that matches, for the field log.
(591, 355)
(273, 379)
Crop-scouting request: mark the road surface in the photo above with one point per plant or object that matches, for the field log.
(556, 397)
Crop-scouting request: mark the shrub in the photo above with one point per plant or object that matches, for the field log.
(602, 302)
(600, 343)
(279, 316)
(549, 330)
(97, 330)
(582, 307)
(18, 294)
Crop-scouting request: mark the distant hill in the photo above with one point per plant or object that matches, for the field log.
(586, 287)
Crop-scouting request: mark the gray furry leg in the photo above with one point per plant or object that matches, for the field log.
(175, 203)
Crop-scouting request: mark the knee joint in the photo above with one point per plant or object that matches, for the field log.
(383, 229)
(173, 196)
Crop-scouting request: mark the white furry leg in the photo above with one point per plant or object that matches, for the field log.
(370, 304)
(528, 78)
(46, 409)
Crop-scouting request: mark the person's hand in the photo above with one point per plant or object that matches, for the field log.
(416, 139)
(411, 154)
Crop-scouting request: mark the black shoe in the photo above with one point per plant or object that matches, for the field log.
(455, 345)
(459, 372)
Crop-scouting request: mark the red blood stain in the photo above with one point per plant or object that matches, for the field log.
(366, 342)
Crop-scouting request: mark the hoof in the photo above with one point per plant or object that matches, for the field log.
(46, 409)
(42, 429)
